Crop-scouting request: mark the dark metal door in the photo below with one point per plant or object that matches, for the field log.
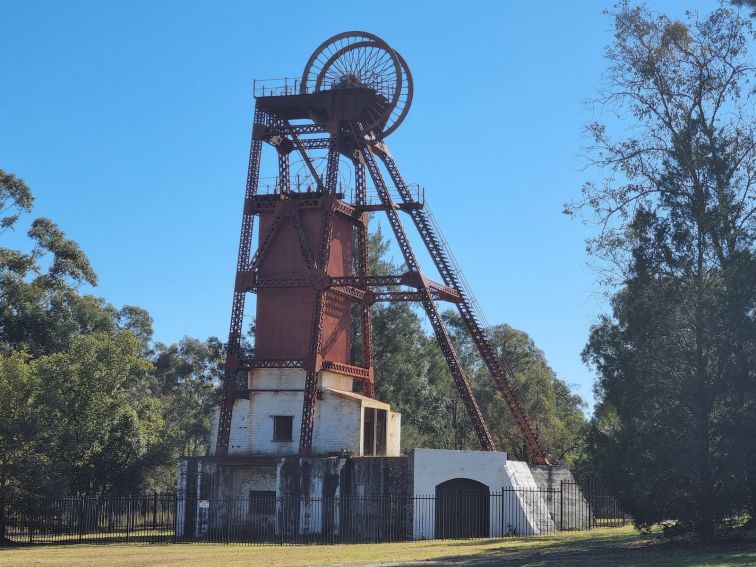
(462, 509)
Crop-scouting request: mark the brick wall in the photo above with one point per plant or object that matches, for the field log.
(337, 424)
(338, 419)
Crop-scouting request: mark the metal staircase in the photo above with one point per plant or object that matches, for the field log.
(469, 309)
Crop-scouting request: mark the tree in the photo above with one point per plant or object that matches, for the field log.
(675, 419)
(90, 404)
(556, 412)
(21, 460)
(100, 427)
(751, 3)
(15, 198)
(138, 321)
(410, 371)
(41, 309)
(186, 380)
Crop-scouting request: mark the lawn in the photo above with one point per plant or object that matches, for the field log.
(613, 547)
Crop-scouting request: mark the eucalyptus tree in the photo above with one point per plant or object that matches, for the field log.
(675, 418)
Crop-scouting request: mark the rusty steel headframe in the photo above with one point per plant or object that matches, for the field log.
(354, 92)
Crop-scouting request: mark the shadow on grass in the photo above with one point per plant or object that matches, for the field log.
(615, 552)
(548, 539)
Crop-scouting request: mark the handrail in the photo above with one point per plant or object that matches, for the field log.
(276, 87)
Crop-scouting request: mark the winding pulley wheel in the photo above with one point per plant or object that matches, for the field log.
(358, 59)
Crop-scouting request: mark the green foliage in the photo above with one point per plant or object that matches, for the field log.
(547, 400)
(186, 379)
(411, 375)
(674, 424)
(15, 198)
(21, 461)
(41, 310)
(99, 424)
(90, 405)
(136, 320)
(750, 3)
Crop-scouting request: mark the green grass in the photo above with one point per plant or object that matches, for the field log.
(615, 547)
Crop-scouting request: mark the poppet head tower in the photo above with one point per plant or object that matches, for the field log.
(308, 386)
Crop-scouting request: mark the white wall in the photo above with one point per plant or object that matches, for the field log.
(521, 509)
(337, 425)
(336, 381)
(279, 391)
(434, 466)
(258, 428)
(275, 378)
(393, 434)
(214, 429)
(536, 518)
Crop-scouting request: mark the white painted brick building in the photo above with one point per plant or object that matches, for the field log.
(270, 420)
(356, 453)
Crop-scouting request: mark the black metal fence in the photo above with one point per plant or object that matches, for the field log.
(264, 518)
(144, 518)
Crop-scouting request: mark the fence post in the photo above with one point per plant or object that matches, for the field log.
(502, 513)
(2, 520)
(561, 506)
(30, 516)
(154, 511)
(128, 516)
(228, 521)
(176, 518)
(81, 518)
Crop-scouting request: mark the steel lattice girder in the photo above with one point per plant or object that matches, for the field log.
(361, 288)
(326, 231)
(233, 353)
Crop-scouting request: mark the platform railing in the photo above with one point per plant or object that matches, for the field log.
(276, 87)
(287, 86)
(272, 186)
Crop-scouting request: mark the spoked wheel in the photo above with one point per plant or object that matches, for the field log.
(363, 60)
(405, 99)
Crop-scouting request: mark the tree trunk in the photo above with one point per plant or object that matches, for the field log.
(706, 490)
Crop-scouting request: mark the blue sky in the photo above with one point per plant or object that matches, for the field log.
(131, 123)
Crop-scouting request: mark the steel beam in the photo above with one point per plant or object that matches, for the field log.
(439, 327)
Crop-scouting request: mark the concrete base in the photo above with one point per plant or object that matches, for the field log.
(304, 493)
(429, 494)
(564, 497)
(535, 515)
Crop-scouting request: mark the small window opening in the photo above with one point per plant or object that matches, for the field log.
(283, 426)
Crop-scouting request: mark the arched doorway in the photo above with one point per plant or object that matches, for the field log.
(462, 509)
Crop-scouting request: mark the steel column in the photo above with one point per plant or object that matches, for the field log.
(363, 269)
(233, 348)
(326, 231)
